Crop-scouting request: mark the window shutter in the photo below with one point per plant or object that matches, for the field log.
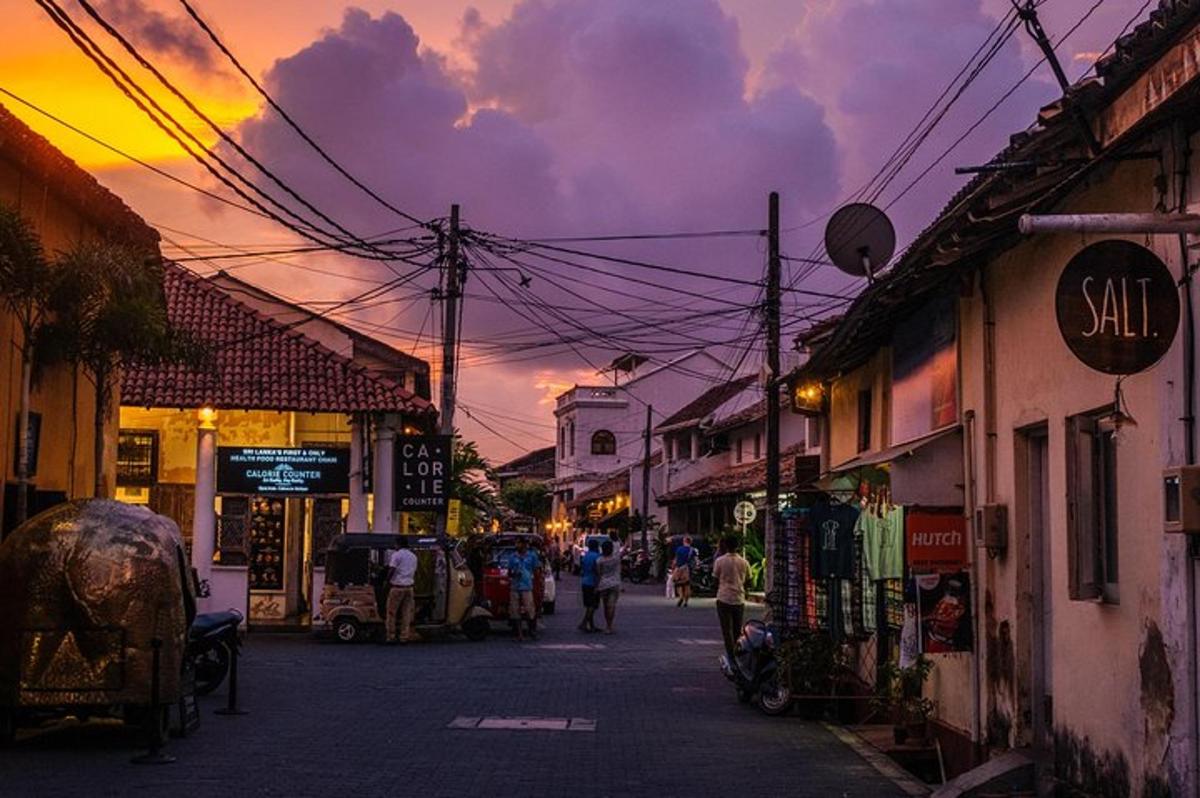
(1083, 519)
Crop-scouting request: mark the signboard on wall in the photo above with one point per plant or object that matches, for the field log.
(925, 370)
(422, 477)
(283, 471)
(936, 540)
(1117, 307)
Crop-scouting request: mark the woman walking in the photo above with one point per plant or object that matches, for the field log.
(589, 576)
(608, 586)
(682, 573)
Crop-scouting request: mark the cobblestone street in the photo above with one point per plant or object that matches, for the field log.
(367, 720)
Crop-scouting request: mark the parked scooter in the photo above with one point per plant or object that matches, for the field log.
(704, 582)
(635, 566)
(212, 640)
(754, 670)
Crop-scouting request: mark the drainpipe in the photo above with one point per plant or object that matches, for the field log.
(989, 392)
(969, 493)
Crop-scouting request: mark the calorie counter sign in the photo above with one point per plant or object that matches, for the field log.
(422, 478)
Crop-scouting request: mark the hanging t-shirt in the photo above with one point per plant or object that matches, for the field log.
(833, 540)
(883, 543)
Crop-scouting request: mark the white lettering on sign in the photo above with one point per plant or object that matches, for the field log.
(1117, 313)
(951, 538)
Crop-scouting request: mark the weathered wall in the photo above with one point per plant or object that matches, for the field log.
(1110, 672)
(843, 407)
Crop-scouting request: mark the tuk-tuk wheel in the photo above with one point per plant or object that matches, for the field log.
(476, 629)
(346, 630)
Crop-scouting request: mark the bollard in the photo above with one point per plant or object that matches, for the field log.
(231, 708)
(155, 755)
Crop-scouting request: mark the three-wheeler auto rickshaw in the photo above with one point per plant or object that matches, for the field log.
(354, 600)
(94, 594)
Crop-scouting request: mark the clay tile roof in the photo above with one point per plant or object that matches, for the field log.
(612, 484)
(255, 363)
(737, 480)
(33, 154)
(538, 464)
(707, 403)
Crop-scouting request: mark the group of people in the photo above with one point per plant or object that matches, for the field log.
(600, 583)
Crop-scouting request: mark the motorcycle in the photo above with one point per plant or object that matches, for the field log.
(704, 583)
(212, 640)
(635, 566)
(754, 670)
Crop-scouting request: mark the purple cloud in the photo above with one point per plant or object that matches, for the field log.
(174, 37)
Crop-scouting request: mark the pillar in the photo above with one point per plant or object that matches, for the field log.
(385, 458)
(356, 521)
(204, 517)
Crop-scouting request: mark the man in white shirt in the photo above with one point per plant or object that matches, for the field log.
(402, 570)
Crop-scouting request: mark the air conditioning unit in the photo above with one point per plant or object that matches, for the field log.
(1181, 499)
(991, 527)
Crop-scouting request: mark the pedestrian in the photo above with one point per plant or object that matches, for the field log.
(556, 556)
(731, 571)
(608, 586)
(589, 576)
(682, 573)
(402, 571)
(522, 565)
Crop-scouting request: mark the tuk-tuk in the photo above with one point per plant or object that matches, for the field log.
(488, 555)
(354, 601)
(85, 589)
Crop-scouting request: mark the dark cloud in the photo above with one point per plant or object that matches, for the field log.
(175, 37)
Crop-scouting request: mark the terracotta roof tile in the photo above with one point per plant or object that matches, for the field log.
(736, 480)
(708, 402)
(256, 363)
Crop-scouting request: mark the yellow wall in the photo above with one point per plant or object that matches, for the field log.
(66, 403)
(875, 375)
(177, 433)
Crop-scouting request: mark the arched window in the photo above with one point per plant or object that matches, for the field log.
(604, 442)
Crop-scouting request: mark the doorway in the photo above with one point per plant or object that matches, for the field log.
(1034, 550)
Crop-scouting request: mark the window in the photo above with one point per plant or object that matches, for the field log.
(685, 447)
(604, 442)
(562, 442)
(137, 458)
(738, 448)
(1092, 543)
(757, 445)
(571, 438)
(864, 420)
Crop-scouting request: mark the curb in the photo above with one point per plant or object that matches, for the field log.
(885, 766)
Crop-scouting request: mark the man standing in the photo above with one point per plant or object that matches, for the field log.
(731, 571)
(402, 570)
(589, 576)
(522, 564)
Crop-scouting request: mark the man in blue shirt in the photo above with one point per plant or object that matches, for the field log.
(522, 565)
(589, 576)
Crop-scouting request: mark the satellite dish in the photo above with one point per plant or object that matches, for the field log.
(860, 239)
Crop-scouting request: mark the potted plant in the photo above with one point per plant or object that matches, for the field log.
(899, 693)
(813, 661)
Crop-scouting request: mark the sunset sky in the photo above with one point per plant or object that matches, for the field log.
(544, 118)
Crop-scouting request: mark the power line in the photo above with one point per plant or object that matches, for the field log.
(291, 122)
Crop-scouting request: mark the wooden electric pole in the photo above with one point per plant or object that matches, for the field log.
(646, 483)
(772, 391)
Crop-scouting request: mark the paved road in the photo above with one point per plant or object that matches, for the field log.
(366, 720)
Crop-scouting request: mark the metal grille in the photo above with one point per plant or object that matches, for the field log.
(231, 530)
(137, 458)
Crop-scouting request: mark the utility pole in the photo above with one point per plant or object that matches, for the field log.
(646, 484)
(449, 344)
(772, 389)
(450, 328)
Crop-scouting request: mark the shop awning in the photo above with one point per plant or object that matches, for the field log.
(873, 461)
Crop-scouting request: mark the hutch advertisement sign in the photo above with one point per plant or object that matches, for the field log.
(1117, 307)
(423, 472)
(937, 540)
(292, 472)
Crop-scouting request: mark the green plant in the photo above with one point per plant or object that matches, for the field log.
(899, 692)
(813, 661)
(528, 498)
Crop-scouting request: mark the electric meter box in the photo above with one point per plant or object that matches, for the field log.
(1181, 499)
(991, 527)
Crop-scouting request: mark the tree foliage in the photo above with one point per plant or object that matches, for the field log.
(527, 497)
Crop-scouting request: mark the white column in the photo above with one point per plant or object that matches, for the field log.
(204, 517)
(384, 519)
(357, 520)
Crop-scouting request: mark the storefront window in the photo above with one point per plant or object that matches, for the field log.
(137, 458)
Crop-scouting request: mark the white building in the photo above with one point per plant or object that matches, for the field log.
(601, 428)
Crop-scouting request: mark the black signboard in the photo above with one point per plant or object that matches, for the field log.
(291, 472)
(1117, 307)
(423, 472)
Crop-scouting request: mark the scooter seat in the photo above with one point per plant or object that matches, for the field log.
(209, 622)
